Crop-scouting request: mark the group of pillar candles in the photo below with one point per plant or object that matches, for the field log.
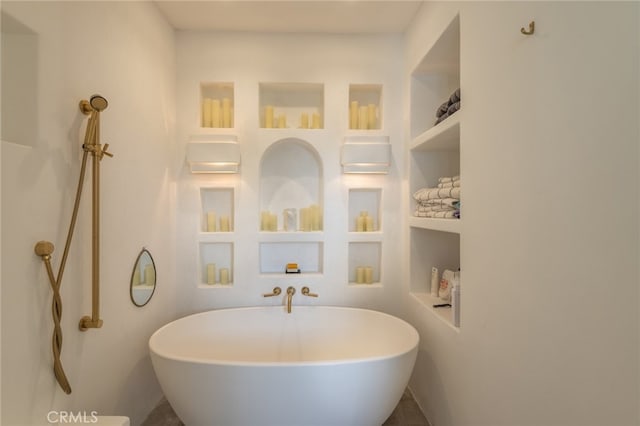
(149, 277)
(211, 275)
(363, 117)
(211, 225)
(271, 121)
(216, 114)
(310, 220)
(364, 274)
(365, 223)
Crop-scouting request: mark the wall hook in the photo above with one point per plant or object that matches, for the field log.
(532, 28)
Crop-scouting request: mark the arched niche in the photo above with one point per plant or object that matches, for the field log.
(290, 177)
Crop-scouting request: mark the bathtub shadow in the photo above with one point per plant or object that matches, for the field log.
(406, 413)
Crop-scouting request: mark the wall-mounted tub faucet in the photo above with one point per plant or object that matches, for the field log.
(290, 292)
(307, 292)
(276, 291)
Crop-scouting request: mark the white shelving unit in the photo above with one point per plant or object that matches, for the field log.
(291, 177)
(434, 152)
(291, 102)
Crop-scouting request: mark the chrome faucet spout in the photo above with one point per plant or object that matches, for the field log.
(290, 292)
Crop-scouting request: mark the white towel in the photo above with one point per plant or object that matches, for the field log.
(435, 208)
(426, 194)
(448, 202)
(438, 215)
(452, 184)
(448, 179)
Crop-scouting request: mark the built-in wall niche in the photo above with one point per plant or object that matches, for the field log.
(275, 256)
(217, 209)
(364, 262)
(429, 249)
(364, 209)
(291, 105)
(216, 105)
(291, 186)
(216, 264)
(365, 106)
(435, 78)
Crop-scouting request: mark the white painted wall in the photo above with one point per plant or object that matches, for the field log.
(247, 60)
(549, 247)
(124, 51)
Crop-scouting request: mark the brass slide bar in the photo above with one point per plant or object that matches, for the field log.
(44, 249)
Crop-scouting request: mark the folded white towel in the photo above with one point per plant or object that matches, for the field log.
(449, 179)
(452, 184)
(438, 215)
(449, 202)
(435, 208)
(425, 194)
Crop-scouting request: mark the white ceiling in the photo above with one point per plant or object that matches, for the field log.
(305, 16)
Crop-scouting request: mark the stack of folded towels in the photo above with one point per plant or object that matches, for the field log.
(450, 106)
(441, 202)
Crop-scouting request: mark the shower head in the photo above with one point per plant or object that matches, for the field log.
(98, 103)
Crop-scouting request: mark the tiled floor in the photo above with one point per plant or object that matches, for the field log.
(407, 413)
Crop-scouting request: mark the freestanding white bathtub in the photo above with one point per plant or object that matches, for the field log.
(318, 365)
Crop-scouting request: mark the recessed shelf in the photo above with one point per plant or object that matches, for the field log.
(365, 106)
(364, 209)
(216, 105)
(216, 263)
(443, 137)
(364, 263)
(291, 105)
(444, 225)
(274, 256)
(435, 78)
(444, 314)
(217, 210)
(291, 178)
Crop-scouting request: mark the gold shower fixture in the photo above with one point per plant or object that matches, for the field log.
(44, 249)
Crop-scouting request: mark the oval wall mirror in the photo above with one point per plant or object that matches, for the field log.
(143, 279)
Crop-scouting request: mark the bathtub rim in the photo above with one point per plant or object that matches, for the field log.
(289, 364)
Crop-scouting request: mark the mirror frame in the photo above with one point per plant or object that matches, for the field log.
(136, 265)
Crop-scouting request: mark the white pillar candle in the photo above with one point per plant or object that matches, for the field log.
(206, 112)
(372, 116)
(368, 274)
(211, 221)
(226, 112)
(215, 113)
(149, 275)
(363, 118)
(224, 276)
(305, 213)
(368, 224)
(268, 116)
(211, 273)
(304, 121)
(315, 121)
(360, 275)
(282, 121)
(353, 115)
(360, 224)
(224, 224)
(273, 222)
(315, 217)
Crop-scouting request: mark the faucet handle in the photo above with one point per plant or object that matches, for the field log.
(307, 292)
(276, 291)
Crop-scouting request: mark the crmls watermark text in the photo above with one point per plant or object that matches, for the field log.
(71, 417)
